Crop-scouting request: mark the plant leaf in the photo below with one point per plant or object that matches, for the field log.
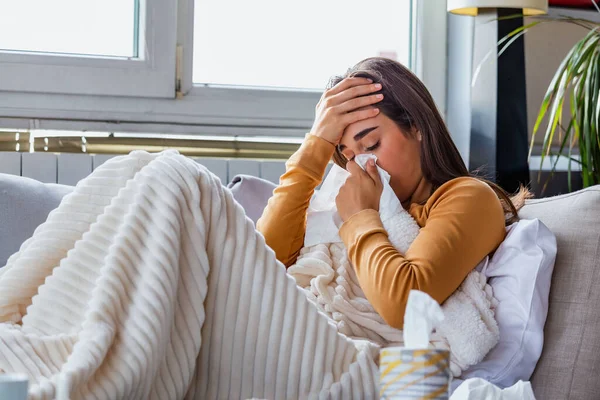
(577, 80)
(573, 72)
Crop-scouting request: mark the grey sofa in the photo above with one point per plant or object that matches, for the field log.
(570, 364)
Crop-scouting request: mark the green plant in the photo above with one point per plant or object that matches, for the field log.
(577, 81)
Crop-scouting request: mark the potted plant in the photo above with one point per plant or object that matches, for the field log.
(576, 84)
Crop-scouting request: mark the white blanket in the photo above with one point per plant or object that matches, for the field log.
(148, 282)
(323, 270)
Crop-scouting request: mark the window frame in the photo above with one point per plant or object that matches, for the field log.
(151, 75)
(214, 109)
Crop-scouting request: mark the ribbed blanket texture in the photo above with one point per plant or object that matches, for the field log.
(149, 282)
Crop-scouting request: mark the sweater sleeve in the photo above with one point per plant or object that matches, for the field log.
(465, 222)
(283, 222)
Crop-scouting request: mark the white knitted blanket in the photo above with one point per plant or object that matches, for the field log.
(324, 271)
(148, 282)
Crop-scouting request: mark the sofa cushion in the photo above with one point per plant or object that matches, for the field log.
(570, 361)
(252, 193)
(24, 204)
(520, 274)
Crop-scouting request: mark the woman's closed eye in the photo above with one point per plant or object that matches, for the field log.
(371, 148)
(374, 147)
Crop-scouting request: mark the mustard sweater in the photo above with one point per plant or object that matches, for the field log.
(461, 223)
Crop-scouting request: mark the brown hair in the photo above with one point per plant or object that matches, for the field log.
(409, 104)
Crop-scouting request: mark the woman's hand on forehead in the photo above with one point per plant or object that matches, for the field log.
(348, 102)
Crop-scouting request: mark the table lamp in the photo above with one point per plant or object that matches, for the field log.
(472, 7)
(499, 132)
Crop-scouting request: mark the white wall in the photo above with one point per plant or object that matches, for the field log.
(458, 95)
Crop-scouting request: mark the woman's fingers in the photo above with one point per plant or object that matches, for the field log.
(374, 173)
(342, 105)
(359, 115)
(370, 171)
(354, 92)
(359, 102)
(345, 84)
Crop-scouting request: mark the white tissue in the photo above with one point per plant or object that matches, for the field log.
(477, 389)
(422, 315)
(323, 221)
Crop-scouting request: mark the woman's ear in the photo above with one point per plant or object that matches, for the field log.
(416, 133)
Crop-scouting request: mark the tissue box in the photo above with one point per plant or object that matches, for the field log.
(414, 374)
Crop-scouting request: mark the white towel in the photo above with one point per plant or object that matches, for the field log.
(323, 270)
(149, 282)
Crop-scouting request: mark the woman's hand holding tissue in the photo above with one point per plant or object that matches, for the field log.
(361, 191)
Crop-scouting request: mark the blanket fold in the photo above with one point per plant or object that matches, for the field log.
(149, 282)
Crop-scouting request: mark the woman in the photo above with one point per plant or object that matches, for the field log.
(380, 107)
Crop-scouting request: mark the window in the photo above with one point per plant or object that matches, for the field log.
(113, 47)
(298, 44)
(70, 27)
(211, 67)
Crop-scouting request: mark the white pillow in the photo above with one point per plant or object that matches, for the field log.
(520, 272)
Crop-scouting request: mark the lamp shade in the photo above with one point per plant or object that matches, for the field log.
(471, 7)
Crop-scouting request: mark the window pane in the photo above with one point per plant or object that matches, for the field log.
(105, 28)
(298, 44)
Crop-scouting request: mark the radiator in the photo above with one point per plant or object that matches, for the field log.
(69, 168)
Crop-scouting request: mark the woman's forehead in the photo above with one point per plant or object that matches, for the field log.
(356, 127)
